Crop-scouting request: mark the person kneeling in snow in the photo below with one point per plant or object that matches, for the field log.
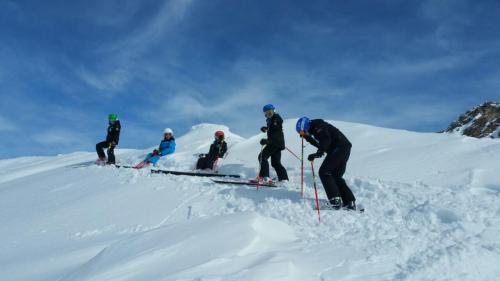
(217, 150)
(167, 146)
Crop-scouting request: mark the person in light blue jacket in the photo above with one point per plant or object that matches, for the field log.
(167, 146)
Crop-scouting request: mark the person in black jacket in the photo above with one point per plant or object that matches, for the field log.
(274, 144)
(111, 141)
(217, 150)
(330, 140)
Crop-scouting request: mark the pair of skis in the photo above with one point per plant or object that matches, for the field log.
(202, 174)
(180, 173)
(196, 174)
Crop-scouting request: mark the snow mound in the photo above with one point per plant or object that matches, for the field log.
(219, 247)
(201, 136)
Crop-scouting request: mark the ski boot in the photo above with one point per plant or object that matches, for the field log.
(283, 183)
(264, 180)
(101, 161)
(336, 203)
(350, 206)
(268, 180)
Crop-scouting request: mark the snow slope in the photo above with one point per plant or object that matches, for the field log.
(432, 201)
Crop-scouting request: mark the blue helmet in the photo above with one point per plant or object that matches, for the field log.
(268, 107)
(303, 125)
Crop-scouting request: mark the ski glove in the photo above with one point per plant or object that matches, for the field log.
(263, 142)
(263, 129)
(313, 156)
(156, 152)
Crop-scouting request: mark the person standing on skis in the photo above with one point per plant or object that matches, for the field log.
(167, 147)
(111, 141)
(330, 140)
(274, 144)
(217, 150)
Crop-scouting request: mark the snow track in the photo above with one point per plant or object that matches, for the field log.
(434, 218)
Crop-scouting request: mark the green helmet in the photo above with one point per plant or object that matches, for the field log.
(112, 117)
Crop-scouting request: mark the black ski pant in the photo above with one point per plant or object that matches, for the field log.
(275, 154)
(111, 151)
(205, 162)
(331, 172)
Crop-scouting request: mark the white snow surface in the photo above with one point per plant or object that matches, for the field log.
(432, 213)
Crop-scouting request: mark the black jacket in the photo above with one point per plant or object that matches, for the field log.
(114, 132)
(326, 137)
(275, 135)
(217, 149)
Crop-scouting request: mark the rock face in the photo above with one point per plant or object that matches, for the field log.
(480, 122)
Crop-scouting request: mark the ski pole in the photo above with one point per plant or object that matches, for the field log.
(302, 168)
(315, 191)
(292, 153)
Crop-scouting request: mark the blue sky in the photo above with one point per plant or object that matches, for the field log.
(64, 65)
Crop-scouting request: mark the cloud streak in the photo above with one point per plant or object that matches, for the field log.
(122, 61)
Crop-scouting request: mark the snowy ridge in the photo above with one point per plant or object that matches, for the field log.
(432, 205)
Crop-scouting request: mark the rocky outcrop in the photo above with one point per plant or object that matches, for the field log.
(480, 122)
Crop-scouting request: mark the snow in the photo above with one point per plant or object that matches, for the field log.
(432, 213)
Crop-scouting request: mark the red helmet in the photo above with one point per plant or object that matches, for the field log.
(219, 134)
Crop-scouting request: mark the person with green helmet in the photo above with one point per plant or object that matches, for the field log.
(111, 141)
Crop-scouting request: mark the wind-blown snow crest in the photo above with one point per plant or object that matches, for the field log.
(432, 203)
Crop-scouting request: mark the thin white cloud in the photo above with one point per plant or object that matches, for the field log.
(112, 81)
(56, 137)
(449, 16)
(402, 113)
(182, 105)
(6, 125)
(123, 58)
(410, 67)
(109, 13)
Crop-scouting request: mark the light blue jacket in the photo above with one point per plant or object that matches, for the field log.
(166, 147)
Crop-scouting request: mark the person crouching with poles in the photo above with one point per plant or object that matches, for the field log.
(111, 141)
(330, 140)
(167, 147)
(272, 146)
(217, 150)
